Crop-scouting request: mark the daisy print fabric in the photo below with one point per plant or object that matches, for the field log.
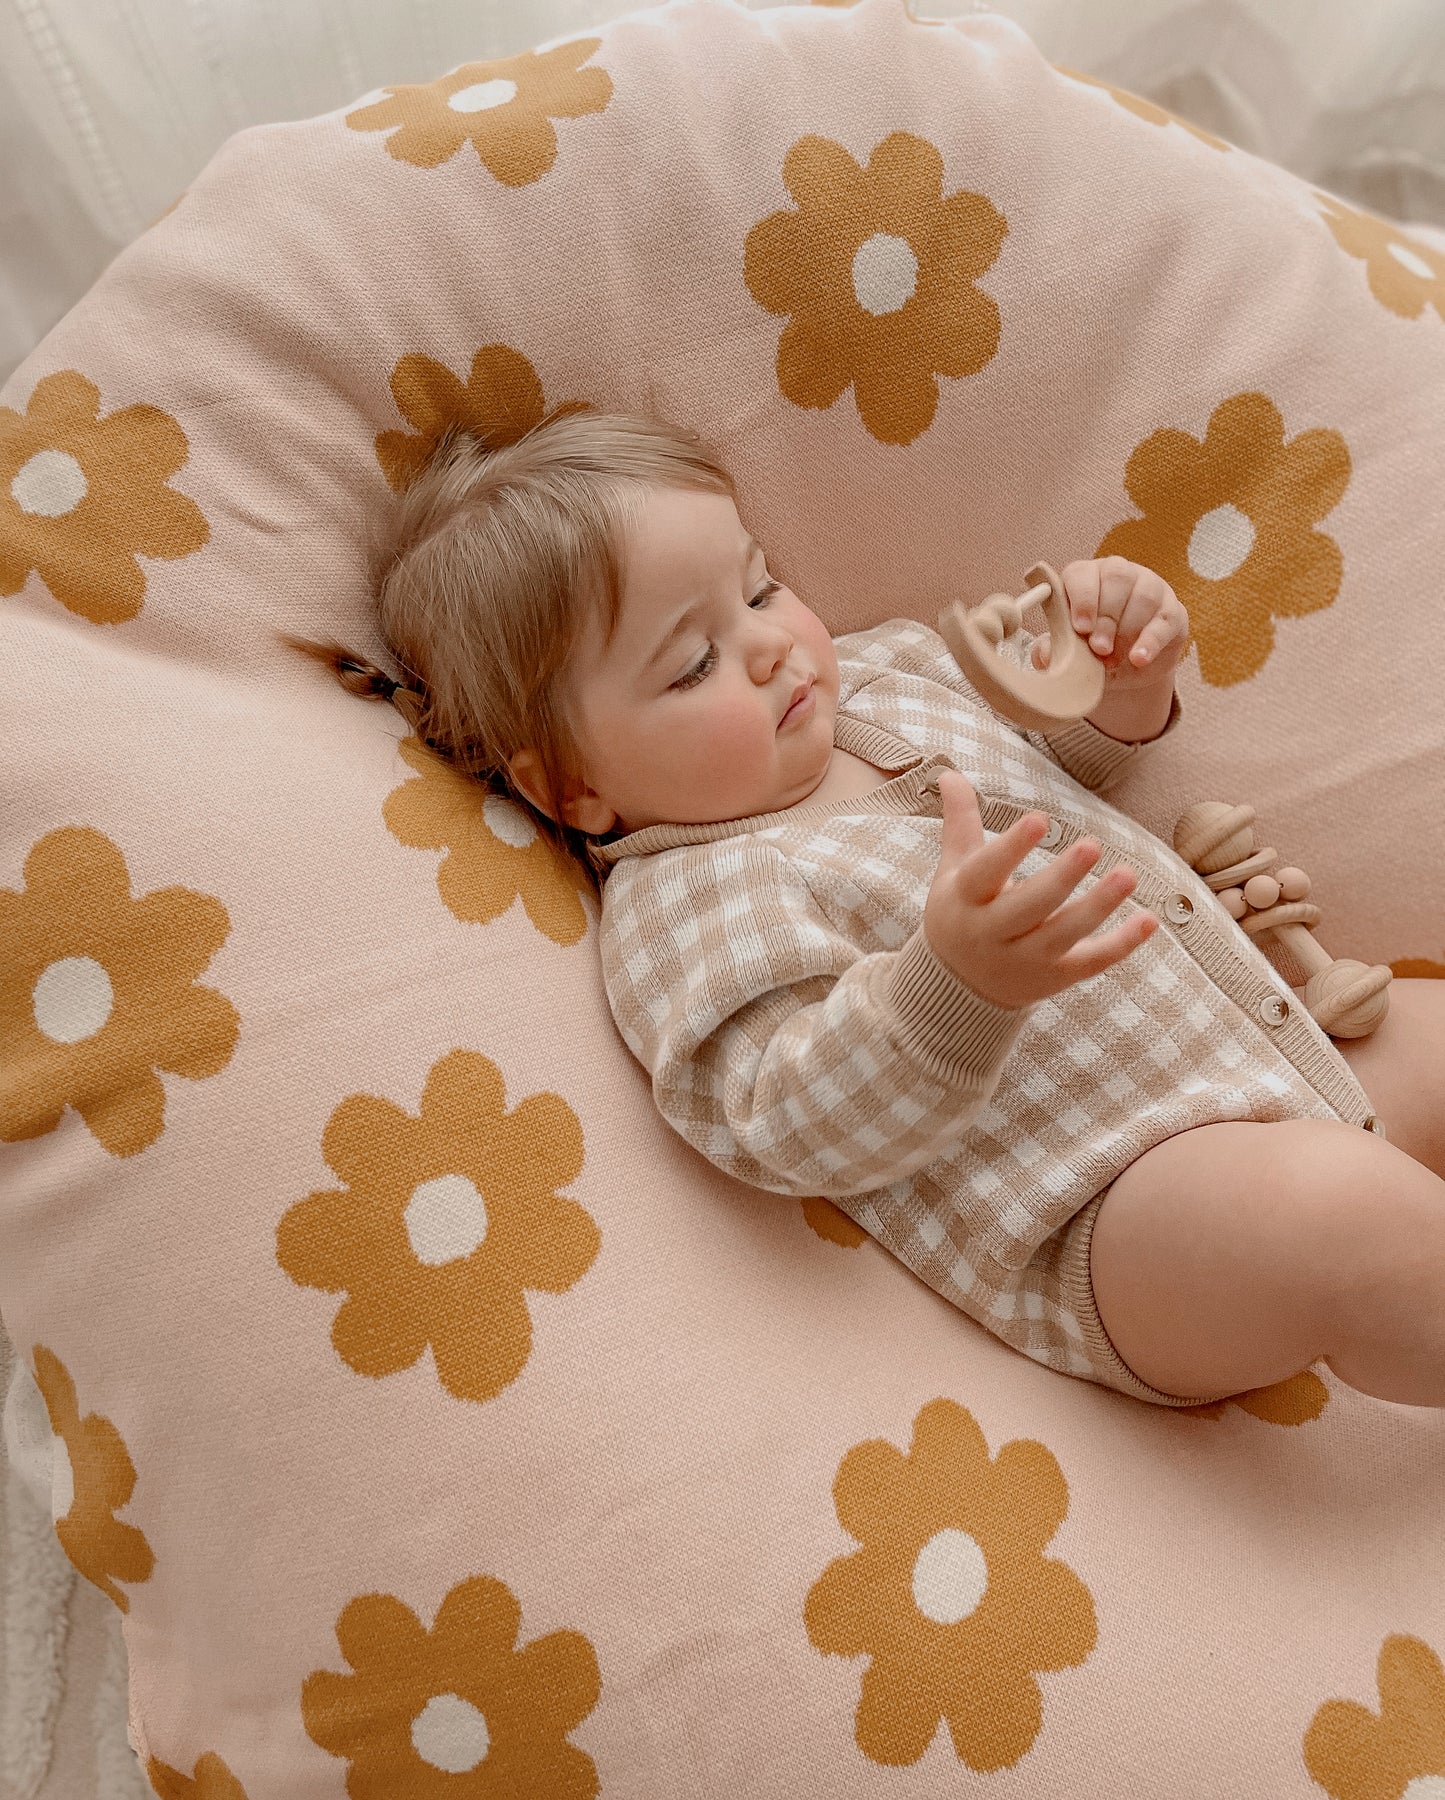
(435, 1422)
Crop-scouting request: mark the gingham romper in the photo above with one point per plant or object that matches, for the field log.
(772, 975)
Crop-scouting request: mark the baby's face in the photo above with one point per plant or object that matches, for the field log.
(681, 718)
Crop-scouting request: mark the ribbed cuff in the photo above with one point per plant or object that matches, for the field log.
(1094, 758)
(961, 1036)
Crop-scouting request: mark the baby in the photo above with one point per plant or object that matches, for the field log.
(874, 942)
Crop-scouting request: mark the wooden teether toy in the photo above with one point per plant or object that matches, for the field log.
(1073, 683)
(1347, 999)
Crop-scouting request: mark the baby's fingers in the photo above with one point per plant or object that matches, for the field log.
(1081, 585)
(984, 872)
(1101, 952)
(962, 822)
(1169, 623)
(1027, 904)
(1085, 912)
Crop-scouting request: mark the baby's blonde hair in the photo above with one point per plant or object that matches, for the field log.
(497, 557)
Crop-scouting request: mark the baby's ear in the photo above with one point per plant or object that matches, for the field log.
(586, 812)
(591, 814)
(525, 769)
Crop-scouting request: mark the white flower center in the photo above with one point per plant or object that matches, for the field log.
(50, 484)
(506, 820)
(481, 96)
(72, 999)
(1417, 265)
(949, 1577)
(1220, 542)
(446, 1219)
(885, 273)
(450, 1734)
(62, 1480)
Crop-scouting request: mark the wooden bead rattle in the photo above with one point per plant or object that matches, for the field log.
(1073, 683)
(1347, 999)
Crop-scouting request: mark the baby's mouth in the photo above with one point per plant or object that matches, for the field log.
(801, 703)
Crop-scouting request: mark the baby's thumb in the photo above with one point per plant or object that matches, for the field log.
(1040, 652)
(962, 823)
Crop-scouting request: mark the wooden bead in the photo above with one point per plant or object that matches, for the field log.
(1234, 902)
(1212, 834)
(1349, 999)
(990, 625)
(1261, 891)
(1236, 874)
(1294, 884)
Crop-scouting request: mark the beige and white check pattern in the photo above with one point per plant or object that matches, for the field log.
(772, 975)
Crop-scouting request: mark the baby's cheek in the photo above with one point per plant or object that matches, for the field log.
(735, 743)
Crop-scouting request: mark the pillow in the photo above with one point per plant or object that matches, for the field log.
(437, 1420)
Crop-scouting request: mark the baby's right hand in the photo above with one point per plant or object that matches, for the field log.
(1010, 940)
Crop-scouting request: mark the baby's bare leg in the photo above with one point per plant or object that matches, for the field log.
(1401, 1066)
(1233, 1255)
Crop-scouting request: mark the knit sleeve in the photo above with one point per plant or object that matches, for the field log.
(1091, 756)
(788, 1056)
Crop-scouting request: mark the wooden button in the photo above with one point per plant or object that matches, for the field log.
(1179, 909)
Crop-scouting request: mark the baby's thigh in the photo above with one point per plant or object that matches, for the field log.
(1220, 1254)
(1401, 1066)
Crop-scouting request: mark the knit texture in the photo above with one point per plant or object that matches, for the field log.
(773, 976)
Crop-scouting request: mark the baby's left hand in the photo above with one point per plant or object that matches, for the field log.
(1133, 621)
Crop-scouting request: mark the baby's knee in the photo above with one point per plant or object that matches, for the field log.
(1321, 1164)
(1316, 1145)
(1289, 1195)
(1346, 1187)
(1326, 1153)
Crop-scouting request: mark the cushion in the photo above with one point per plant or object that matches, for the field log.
(438, 1421)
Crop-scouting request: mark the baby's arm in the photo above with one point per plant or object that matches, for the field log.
(1095, 759)
(798, 1063)
(790, 1058)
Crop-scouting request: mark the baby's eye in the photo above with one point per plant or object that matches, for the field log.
(709, 657)
(695, 674)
